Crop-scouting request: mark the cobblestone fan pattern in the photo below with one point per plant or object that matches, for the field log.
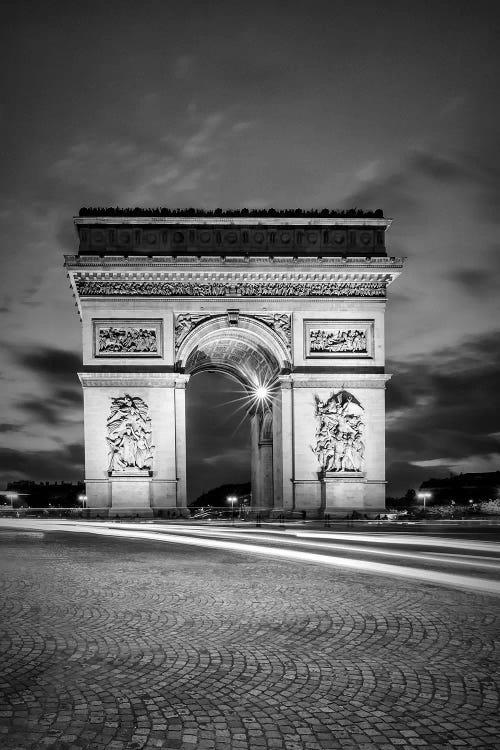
(124, 645)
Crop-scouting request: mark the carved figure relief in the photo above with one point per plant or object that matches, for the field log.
(221, 289)
(339, 436)
(184, 324)
(129, 435)
(131, 340)
(281, 323)
(339, 338)
(346, 340)
(128, 338)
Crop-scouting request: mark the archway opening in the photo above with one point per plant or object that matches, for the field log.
(229, 404)
(217, 433)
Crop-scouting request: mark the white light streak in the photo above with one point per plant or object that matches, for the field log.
(477, 584)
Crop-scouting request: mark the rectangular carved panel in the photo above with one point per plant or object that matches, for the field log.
(128, 338)
(338, 338)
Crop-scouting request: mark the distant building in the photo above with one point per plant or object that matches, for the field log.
(461, 488)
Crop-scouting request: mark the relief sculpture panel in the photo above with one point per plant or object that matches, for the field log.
(339, 443)
(129, 436)
(329, 338)
(128, 338)
(221, 289)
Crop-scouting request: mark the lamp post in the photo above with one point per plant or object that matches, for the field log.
(232, 499)
(424, 496)
(83, 500)
(12, 496)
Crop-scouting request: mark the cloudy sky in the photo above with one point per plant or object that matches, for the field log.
(285, 104)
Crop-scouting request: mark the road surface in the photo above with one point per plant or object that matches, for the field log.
(120, 636)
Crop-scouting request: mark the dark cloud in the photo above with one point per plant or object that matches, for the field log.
(476, 281)
(62, 392)
(40, 410)
(422, 175)
(51, 412)
(8, 427)
(50, 363)
(445, 405)
(69, 396)
(437, 167)
(66, 463)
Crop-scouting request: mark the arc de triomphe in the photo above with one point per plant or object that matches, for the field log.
(291, 303)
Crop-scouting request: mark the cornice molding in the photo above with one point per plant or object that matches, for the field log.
(228, 276)
(232, 220)
(345, 382)
(334, 380)
(231, 261)
(132, 380)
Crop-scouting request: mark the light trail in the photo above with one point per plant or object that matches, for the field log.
(476, 584)
(406, 539)
(402, 539)
(456, 559)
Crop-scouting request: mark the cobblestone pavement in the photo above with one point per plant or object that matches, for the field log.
(126, 645)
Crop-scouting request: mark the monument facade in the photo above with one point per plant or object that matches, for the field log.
(291, 304)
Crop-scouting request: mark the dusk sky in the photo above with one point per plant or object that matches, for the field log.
(285, 104)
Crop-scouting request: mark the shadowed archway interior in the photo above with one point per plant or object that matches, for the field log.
(218, 432)
(238, 354)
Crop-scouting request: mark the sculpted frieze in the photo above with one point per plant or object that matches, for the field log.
(339, 443)
(138, 338)
(129, 435)
(328, 338)
(346, 340)
(220, 289)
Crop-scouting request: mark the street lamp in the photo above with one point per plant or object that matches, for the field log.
(232, 499)
(12, 496)
(424, 496)
(83, 500)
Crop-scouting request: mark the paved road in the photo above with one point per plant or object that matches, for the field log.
(127, 642)
(452, 560)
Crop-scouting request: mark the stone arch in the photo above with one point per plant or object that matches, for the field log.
(248, 350)
(253, 354)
